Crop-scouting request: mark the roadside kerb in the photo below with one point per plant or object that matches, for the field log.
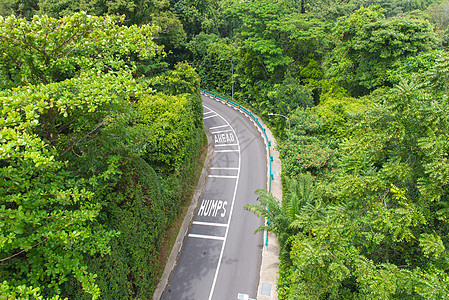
(269, 269)
(171, 262)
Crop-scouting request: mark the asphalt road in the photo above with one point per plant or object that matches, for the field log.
(220, 256)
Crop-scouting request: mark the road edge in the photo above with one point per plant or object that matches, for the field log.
(171, 262)
(269, 268)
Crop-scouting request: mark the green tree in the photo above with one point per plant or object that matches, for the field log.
(20, 8)
(331, 10)
(273, 36)
(438, 15)
(394, 8)
(172, 34)
(414, 66)
(282, 99)
(308, 148)
(284, 218)
(368, 45)
(136, 11)
(48, 211)
(214, 58)
(384, 236)
(289, 96)
(49, 50)
(196, 16)
(63, 133)
(337, 108)
(169, 135)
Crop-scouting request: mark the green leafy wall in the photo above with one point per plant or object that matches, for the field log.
(92, 169)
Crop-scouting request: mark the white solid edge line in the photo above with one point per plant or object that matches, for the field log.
(230, 212)
(210, 224)
(216, 127)
(208, 237)
(207, 112)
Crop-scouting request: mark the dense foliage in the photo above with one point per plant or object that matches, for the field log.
(365, 162)
(381, 233)
(82, 210)
(94, 168)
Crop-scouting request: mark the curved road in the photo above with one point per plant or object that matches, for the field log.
(220, 256)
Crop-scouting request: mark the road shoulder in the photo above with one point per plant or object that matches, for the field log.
(269, 269)
(171, 262)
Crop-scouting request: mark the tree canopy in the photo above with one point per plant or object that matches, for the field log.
(70, 126)
(94, 169)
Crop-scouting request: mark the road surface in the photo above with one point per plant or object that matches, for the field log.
(220, 256)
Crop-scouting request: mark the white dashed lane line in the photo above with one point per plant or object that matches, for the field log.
(209, 224)
(221, 131)
(217, 127)
(208, 237)
(208, 117)
(224, 151)
(226, 145)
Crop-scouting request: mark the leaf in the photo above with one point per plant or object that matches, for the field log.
(431, 244)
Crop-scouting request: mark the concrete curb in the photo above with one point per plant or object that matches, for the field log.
(171, 262)
(269, 268)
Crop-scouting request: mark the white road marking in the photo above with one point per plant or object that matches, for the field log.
(241, 296)
(210, 224)
(222, 151)
(208, 117)
(224, 145)
(230, 212)
(212, 207)
(222, 138)
(207, 112)
(209, 237)
(219, 168)
(227, 130)
(216, 127)
(222, 176)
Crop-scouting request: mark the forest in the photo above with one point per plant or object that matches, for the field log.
(97, 156)
(93, 170)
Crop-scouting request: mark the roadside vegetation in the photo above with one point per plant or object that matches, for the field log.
(96, 158)
(101, 132)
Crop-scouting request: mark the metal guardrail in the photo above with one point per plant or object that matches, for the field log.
(250, 114)
(256, 120)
